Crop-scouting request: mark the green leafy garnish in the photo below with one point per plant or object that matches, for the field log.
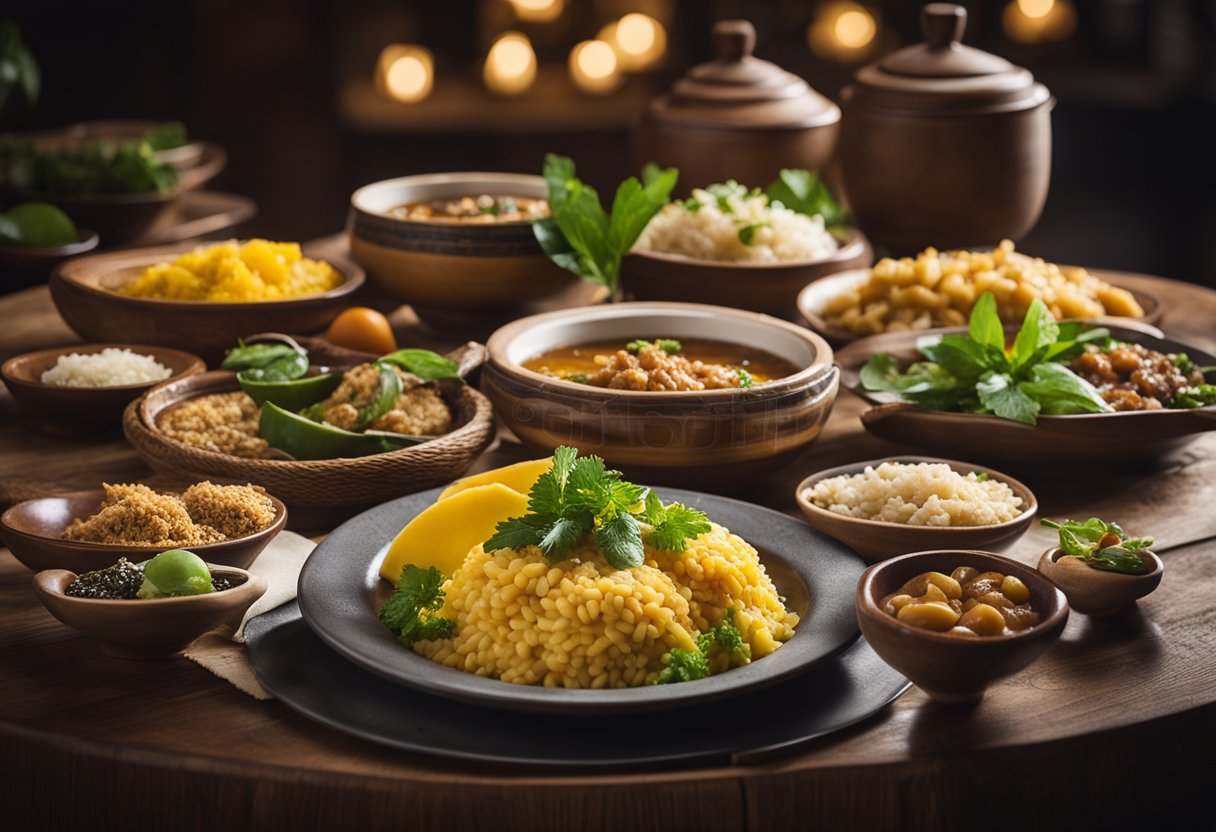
(167, 136)
(578, 497)
(580, 236)
(745, 378)
(748, 232)
(976, 373)
(1200, 395)
(689, 665)
(1102, 545)
(266, 361)
(388, 388)
(579, 378)
(425, 364)
(667, 345)
(97, 168)
(805, 191)
(412, 611)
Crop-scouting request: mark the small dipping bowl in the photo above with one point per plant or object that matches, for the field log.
(155, 628)
(955, 669)
(23, 266)
(1098, 592)
(33, 529)
(876, 540)
(85, 409)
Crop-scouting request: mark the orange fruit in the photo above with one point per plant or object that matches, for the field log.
(361, 328)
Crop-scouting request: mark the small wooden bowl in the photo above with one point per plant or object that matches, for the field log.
(33, 529)
(25, 266)
(85, 407)
(759, 287)
(155, 628)
(877, 540)
(84, 291)
(954, 668)
(1097, 592)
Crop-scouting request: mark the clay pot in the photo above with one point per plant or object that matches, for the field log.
(945, 145)
(737, 117)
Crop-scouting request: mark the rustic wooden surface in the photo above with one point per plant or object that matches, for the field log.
(1116, 721)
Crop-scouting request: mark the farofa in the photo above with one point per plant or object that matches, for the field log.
(223, 422)
(584, 624)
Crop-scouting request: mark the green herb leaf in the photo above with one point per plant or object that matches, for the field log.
(748, 232)
(1039, 329)
(620, 541)
(1201, 395)
(411, 612)
(805, 191)
(520, 532)
(1082, 540)
(964, 358)
(745, 378)
(984, 326)
(637, 345)
(266, 361)
(1004, 399)
(388, 389)
(425, 364)
(674, 525)
(1060, 391)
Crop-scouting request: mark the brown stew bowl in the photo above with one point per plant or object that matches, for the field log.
(153, 628)
(23, 266)
(1109, 440)
(877, 540)
(707, 439)
(760, 287)
(33, 531)
(84, 407)
(1097, 592)
(84, 291)
(319, 493)
(955, 668)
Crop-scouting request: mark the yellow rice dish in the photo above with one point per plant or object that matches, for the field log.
(230, 272)
(583, 624)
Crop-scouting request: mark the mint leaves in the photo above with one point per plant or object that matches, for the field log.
(805, 191)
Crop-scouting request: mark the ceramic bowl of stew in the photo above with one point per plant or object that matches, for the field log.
(545, 377)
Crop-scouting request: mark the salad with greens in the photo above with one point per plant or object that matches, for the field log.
(1101, 545)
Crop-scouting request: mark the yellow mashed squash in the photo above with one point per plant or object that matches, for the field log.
(230, 272)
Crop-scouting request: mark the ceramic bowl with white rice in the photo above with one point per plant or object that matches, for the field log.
(112, 367)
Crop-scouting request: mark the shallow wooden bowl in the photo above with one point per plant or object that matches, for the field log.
(876, 540)
(84, 407)
(1109, 440)
(954, 668)
(22, 266)
(759, 287)
(704, 439)
(84, 293)
(155, 628)
(33, 531)
(1096, 592)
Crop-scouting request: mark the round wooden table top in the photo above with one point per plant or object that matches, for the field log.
(1108, 724)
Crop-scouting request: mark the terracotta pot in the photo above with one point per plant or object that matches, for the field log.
(737, 117)
(945, 145)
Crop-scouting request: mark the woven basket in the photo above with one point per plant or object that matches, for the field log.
(316, 492)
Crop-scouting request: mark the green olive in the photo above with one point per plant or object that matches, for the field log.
(175, 572)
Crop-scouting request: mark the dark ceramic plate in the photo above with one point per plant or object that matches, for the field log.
(1106, 439)
(306, 676)
(340, 590)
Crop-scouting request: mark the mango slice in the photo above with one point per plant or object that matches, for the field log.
(444, 533)
(521, 476)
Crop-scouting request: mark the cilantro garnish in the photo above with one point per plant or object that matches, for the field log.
(667, 345)
(411, 612)
(580, 496)
(1102, 545)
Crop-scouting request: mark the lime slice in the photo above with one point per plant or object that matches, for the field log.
(41, 225)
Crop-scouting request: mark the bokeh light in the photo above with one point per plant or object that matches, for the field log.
(640, 41)
(1036, 21)
(594, 67)
(843, 31)
(405, 72)
(537, 11)
(510, 66)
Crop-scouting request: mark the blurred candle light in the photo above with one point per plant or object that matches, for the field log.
(537, 11)
(1034, 21)
(594, 67)
(405, 72)
(1036, 8)
(510, 66)
(640, 41)
(842, 31)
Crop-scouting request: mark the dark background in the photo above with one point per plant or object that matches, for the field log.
(273, 81)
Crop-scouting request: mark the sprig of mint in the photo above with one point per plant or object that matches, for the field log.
(805, 191)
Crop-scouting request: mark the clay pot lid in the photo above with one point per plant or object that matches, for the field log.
(943, 74)
(740, 91)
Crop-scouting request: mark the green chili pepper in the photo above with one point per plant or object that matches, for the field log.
(295, 394)
(300, 438)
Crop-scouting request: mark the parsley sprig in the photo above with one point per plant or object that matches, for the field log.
(580, 496)
(412, 611)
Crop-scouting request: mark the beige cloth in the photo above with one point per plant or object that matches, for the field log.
(222, 651)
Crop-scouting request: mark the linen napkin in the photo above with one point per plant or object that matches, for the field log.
(222, 650)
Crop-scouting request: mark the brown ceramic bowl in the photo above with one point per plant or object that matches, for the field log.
(1096, 592)
(1109, 440)
(453, 271)
(22, 266)
(155, 628)
(84, 293)
(759, 287)
(814, 297)
(708, 439)
(876, 540)
(33, 529)
(955, 668)
(84, 407)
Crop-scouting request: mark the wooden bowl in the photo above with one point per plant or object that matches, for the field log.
(22, 266)
(759, 287)
(33, 531)
(320, 492)
(1097, 592)
(707, 439)
(814, 297)
(953, 668)
(877, 540)
(1108, 440)
(451, 272)
(155, 628)
(84, 291)
(95, 408)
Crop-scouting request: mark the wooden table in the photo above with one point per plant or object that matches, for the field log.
(1116, 721)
